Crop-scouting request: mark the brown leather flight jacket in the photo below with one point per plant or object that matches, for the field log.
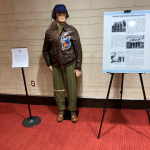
(62, 50)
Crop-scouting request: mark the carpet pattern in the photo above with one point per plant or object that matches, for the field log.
(121, 130)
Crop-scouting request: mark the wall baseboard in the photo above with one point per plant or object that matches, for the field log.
(81, 102)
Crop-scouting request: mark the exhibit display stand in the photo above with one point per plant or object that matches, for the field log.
(20, 60)
(126, 48)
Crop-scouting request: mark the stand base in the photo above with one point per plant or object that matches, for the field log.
(67, 115)
(31, 122)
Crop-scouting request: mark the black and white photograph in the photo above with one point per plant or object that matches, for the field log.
(135, 41)
(119, 26)
(118, 57)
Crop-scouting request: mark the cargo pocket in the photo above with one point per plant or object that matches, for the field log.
(70, 55)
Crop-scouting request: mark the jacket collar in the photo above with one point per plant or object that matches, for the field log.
(55, 26)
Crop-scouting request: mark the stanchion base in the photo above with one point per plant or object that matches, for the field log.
(31, 122)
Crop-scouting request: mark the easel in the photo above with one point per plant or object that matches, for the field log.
(121, 92)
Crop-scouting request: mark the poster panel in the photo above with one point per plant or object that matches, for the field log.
(126, 43)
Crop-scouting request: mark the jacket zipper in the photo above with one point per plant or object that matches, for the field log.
(58, 48)
(59, 45)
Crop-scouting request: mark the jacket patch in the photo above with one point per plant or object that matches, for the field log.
(66, 44)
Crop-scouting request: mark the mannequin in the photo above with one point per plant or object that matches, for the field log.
(63, 55)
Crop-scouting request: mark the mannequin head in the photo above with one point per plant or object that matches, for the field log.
(60, 13)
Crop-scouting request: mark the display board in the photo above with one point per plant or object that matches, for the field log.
(20, 57)
(126, 42)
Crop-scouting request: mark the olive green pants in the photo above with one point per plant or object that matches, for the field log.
(65, 78)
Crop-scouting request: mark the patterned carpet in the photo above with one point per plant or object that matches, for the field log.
(121, 130)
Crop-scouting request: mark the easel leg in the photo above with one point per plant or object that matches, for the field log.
(140, 74)
(121, 92)
(112, 74)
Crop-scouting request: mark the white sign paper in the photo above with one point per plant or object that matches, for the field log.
(19, 57)
(126, 44)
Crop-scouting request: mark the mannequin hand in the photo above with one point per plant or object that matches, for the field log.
(78, 73)
(50, 68)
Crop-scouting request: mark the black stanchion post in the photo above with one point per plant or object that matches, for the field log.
(121, 92)
(32, 120)
(26, 92)
(112, 74)
(147, 110)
